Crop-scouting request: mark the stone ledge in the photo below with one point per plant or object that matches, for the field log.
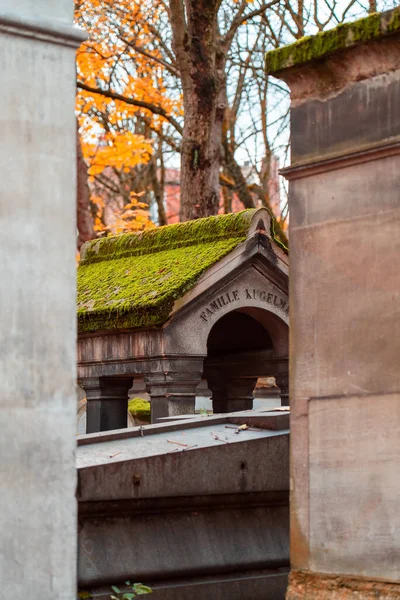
(317, 586)
(311, 48)
(42, 29)
(340, 161)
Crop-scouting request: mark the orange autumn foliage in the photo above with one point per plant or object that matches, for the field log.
(121, 150)
(130, 109)
(116, 135)
(133, 216)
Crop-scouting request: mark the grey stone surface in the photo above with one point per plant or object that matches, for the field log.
(176, 543)
(231, 394)
(188, 332)
(49, 9)
(173, 392)
(37, 313)
(166, 468)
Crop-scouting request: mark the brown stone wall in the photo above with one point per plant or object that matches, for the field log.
(345, 323)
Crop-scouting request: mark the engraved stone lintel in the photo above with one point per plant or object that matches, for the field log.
(220, 301)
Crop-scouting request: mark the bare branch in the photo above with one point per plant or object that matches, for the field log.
(178, 24)
(156, 59)
(157, 110)
(240, 18)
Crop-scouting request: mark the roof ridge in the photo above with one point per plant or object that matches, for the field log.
(133, 280)
(168, 237)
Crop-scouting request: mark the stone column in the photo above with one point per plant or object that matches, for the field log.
(345, 309)
(169, 398)
(282, 381)
(231, 394)
(172, 386)
(107, 402)
(37, 300)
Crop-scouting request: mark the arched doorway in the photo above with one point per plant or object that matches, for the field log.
(242, 346)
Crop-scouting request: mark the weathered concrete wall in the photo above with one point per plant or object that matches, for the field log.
(345, 326)
(37, 303)
(55, 9)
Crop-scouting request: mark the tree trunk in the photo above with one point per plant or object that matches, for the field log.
(228, 197)
(200, 158)
(83, 214)
(196, 42)
(235, 172)
(158, 190)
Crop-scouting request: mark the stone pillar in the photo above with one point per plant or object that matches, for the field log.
(345, 325)
(37, 300)
(230, 394)
(172, 387)
(170, 396)
(107, 402)
(282, 381)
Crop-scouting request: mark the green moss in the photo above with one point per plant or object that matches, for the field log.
(274, 235)
(169, 237)
(393, 23)
(139, 291)
(133, 280)
(347, 34)
(139, 408)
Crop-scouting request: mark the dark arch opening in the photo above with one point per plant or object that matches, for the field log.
(243, 346)
(237, 332)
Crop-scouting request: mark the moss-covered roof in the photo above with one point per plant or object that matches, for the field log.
(133, 280)
(345, 35)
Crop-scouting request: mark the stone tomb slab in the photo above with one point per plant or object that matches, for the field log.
(178, 505)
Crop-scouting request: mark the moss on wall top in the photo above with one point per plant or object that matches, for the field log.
(132, 280)
(140, 408)
(345, 35)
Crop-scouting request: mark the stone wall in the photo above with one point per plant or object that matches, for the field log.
(37, 300)
(345, 325)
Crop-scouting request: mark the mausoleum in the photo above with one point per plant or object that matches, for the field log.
(205, 299)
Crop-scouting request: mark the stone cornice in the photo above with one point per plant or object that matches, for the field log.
(42, 29)
(340, 161)
(323, 65)
(346, 35)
